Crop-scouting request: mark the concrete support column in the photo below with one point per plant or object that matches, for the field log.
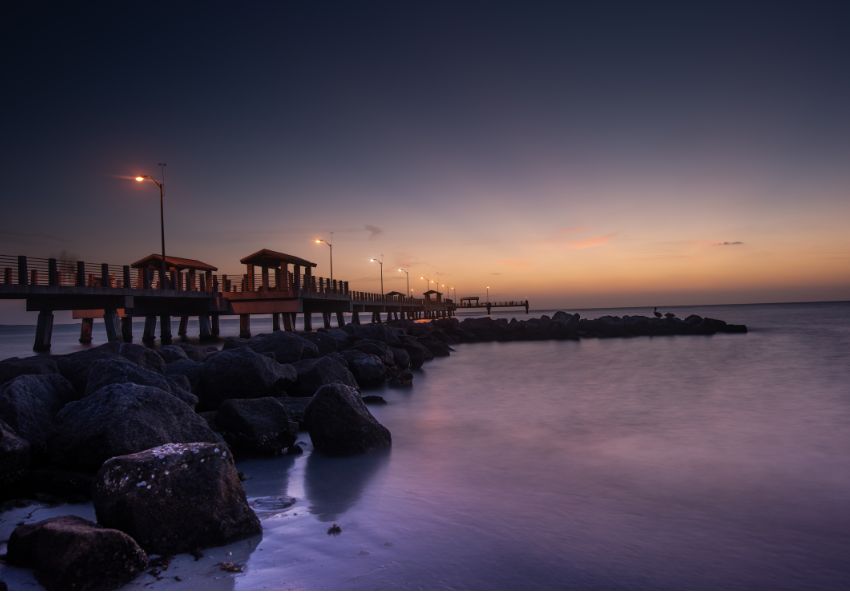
(113, 328)
(340, 319)
(355, 318)
(326, 318)
(216, 329)
(127, 329)
(308, 321)
(183, 328)
(150, 330)
(245, 326)
(86, 326)
(275, 321)
(43, 331)
(288, 321)
(204, 328)
(165, 329)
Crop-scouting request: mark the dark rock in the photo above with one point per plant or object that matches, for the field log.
(368, 369)
(374, 331)
(313, 373)
(374, 400)
(325, 341)
(31, 365)
(295, 407)
(175, 498)
(196, 352)
(403, 378)
(340, 424)
(285, 346)
(437, 347)
(75, 367)
(171, 352)
(117, 369)
(123, 418)
(188, 368)
(64, 486)
(3, 587)
(70, 553)
(242, 373)
(417, 352)
(29, 404)
(401, 357)
(257, 424)
(14, 457)
(376, 348)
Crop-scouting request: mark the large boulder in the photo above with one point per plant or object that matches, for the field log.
(188, 368)
(340, 424)
(31, 365)
(376, 348)
(325, 341)
(172, 352)
(76, 366)
(368, 369)
(242, 373)
(117, 369)
(417, 352)
(296, 406)
(123, 418)
(14, 457)
(29, 403)
(257, 424)
(313, 373)
(175, 498)
(285, 346)
(71, 553)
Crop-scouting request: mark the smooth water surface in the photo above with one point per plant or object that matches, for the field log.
(677, 462)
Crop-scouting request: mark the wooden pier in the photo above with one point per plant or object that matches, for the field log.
(475, 303)
(276, 284)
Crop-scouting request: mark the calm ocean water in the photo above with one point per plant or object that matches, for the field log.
(682, 462)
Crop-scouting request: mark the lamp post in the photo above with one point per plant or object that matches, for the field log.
(407, 275)
(380, 262)
(488, 294)
(331, 247)
(161, 186)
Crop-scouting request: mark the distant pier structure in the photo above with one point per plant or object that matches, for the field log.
(475, 303)
(274, 283)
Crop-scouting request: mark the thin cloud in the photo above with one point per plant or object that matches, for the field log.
(729, 244)
(591, 242)
(374, 231)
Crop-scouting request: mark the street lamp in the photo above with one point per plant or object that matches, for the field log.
(331, 246)
(161, 186)
(380, 262)
(488, 294)
(407, 275)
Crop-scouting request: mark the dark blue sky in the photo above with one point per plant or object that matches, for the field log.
(492, 126)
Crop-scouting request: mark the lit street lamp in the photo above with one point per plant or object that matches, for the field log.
(407, 275)
(380, 262)
(161, 186)
(488, 294)
(331, 246)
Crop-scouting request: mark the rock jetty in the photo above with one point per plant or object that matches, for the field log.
(150, 434)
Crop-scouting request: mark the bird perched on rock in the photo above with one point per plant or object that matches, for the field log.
(656, 313)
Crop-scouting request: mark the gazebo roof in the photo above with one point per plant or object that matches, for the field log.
(270, 258)
(172, 262)
(394, 293)
(429, 292)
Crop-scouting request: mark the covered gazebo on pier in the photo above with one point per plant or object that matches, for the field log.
(183, 272)
(276, 265)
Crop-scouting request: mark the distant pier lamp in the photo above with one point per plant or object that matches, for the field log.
(488, 294)
(407, 275)
(161, 186)
(381, 263)
(331, 248)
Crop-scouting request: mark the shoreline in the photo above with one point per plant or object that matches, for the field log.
(371, 362)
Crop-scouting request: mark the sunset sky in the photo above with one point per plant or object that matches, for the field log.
(577, 154)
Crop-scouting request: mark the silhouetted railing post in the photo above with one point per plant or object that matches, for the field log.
(81, 274)
(52, 272)
(104, 275)
(127, 283)
(22, 270)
